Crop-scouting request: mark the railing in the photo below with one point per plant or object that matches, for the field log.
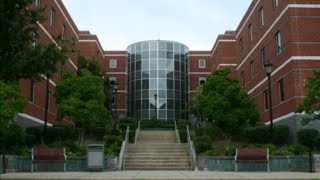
(137, 133)
(123, 151)
(193, 156)
(177, 131)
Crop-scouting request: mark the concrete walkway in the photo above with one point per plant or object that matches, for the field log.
(159, 175)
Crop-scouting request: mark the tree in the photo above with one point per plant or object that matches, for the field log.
(82, 98)
(222, 101)
(311, 102)
(11, 102)
(91, 65)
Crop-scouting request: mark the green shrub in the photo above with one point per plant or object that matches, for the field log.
(212, 153)
(232, 150)
(183, 135)
(214, 132)
(99, 133)
(200, 131)
(112, 145)
(261, 134)
(280, 134)
(308, 138)
(283, 152)
(202, 144)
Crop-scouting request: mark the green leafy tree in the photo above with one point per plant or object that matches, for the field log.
(91, 65)
(11, 102)
(82, 98)
(222, 101)
(311, 102)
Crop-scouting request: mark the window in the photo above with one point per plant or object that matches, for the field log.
(113, 63)
(49, 100)
(113, 99)
(263, 57)
(281, 90)
(37, 3)
(278, 42)
(275, 3)
(202, 63)
(202, 80)
(34, 40)
(32, 87)
(261, 17)
(242, 78)
(266, 102)
(112, 80)
(52, 17)
(250, 32)
(241, 45)
(252, 69)
(63, 32)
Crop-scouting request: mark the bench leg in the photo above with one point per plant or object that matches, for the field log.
(236, 167)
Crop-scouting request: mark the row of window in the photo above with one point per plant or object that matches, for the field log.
(263, 58)
(157, 45)
(262, 23)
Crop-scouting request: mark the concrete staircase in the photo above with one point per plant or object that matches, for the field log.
(157, 150)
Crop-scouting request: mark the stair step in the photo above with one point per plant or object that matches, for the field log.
(158, 168)
(157, 161)
(164, 165)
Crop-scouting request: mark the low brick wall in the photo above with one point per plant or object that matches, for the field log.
(276, 163)
(23, 164)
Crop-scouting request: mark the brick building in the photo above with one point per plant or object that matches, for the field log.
(282, 32)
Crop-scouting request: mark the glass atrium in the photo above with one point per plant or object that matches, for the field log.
(157, 80)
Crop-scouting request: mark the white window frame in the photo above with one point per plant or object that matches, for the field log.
(112, 79)
(252, 69)
(250, 32)
(275, 3)
(52, 17)
(281, 90)
(202, 63)
(34, 40)
(263, 56)
(63, 32)
(261, 17)
(278, 42)
(37, 3)
(241, 45)
(113, 63)
(202, 79)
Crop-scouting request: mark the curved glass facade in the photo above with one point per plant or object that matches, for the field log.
(157, 80)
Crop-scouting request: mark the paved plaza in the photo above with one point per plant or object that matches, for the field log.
(159, 175)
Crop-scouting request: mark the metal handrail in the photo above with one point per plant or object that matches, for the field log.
(137, 133)
(177, 131)
(123, 151)
(193, 156)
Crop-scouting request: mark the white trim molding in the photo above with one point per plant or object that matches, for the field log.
(92, 40)
(221, 40)
(120, 73)
(66, 19)
(278, 119)
(227, 65)
(51, 82)
(292, 58)
(274, 23)
(200, 73)
(27, 116)
(195, 55)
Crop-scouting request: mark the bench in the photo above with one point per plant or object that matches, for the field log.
(48, 155)
(251, 155)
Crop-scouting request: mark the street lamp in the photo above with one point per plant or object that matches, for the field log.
(155, 105)
(268, 70)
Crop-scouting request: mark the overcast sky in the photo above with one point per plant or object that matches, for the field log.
(119, 23)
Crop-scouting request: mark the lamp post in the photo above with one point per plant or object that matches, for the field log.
(155, 105)
(115, 88)
(268, 70)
